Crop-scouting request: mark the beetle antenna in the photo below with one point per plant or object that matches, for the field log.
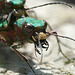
(65, 37)
(11, 18)
(49, 4)
(62, 36)
(53, 32)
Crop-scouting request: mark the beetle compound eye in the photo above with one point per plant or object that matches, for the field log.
(29, 27)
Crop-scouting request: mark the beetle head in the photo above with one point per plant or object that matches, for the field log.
(36, 34)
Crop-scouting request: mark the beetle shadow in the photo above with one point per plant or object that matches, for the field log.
(11, 61)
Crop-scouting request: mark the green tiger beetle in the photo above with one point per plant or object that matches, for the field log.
(27, 29)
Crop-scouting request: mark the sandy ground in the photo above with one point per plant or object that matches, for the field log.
(61, 18)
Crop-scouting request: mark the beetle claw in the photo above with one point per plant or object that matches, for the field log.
(36, 50)
(45, 43)
(45, 47)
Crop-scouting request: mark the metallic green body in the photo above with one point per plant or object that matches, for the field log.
(32, 21)
(3, 23)
(16, 2)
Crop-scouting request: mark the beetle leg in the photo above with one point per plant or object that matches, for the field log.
(58, 41)
(10, 20)
(36, 50)
(34, 38)
(13, 47)
(4, 41)
(40, 46)
(60, 50)
(26, 13)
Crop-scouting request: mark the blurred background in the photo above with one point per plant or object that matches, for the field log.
(62, 19)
